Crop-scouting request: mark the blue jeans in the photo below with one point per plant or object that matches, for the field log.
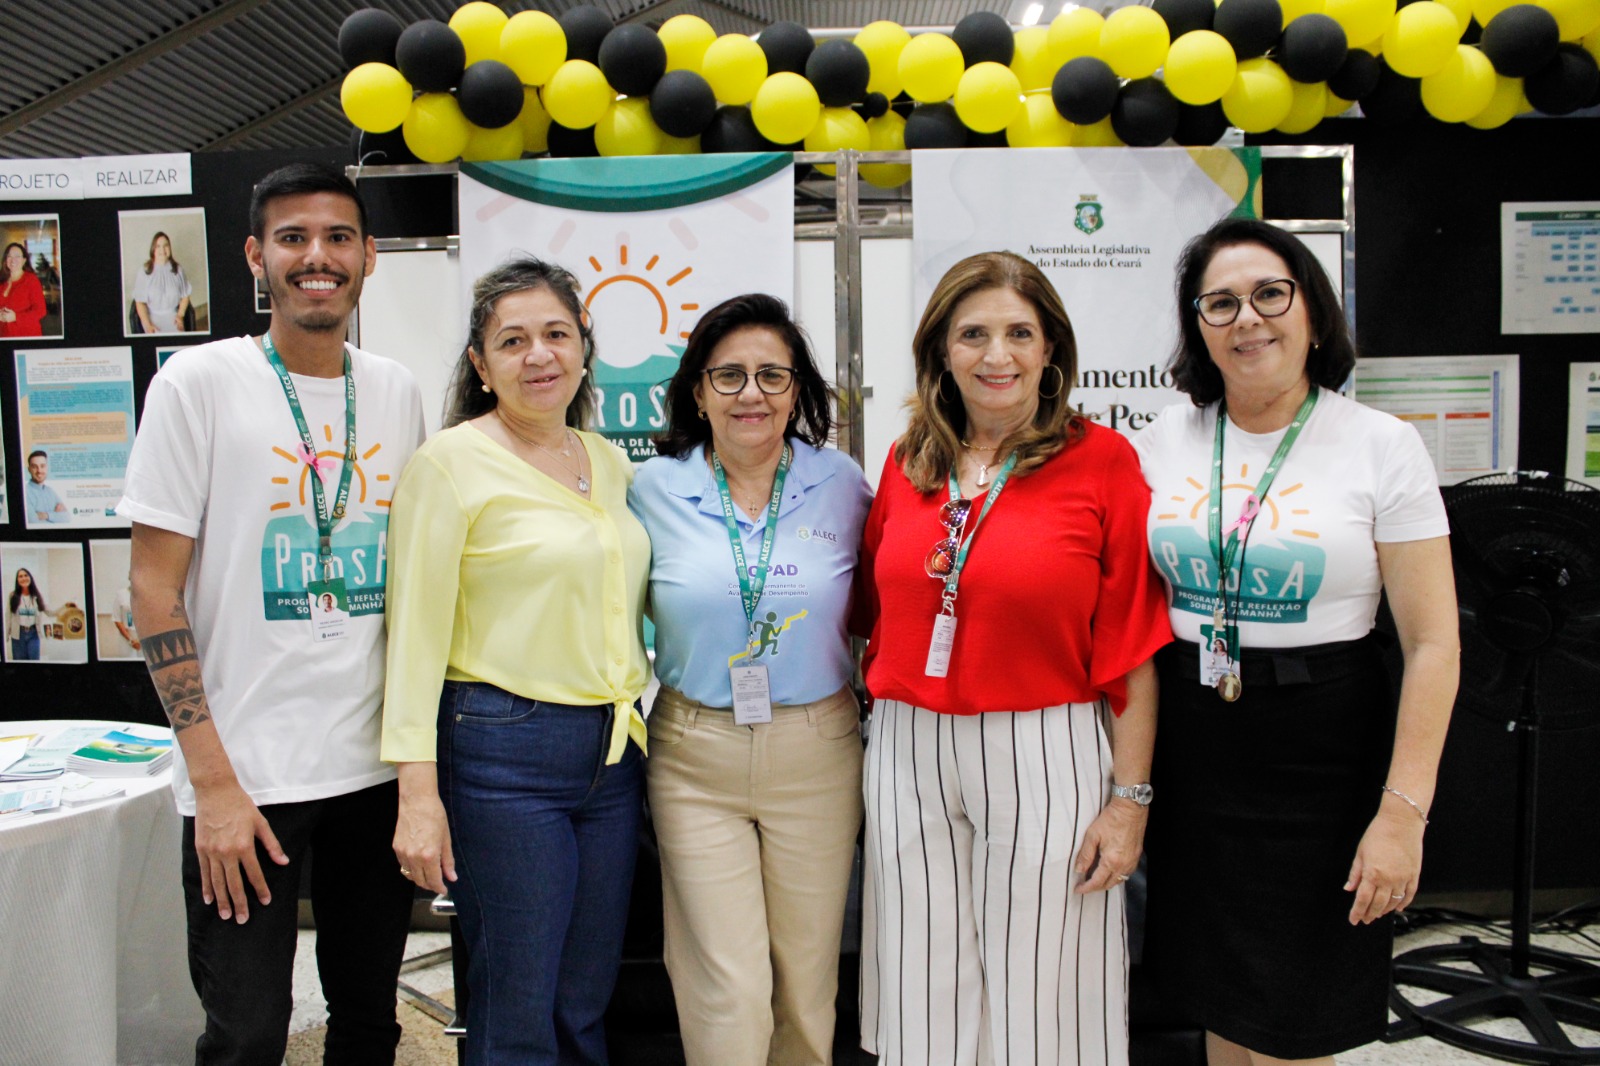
(544, 836)
(26, 647)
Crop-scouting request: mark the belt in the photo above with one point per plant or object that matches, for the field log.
(1281, 666)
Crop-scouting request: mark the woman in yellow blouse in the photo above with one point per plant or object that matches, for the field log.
(516, 660)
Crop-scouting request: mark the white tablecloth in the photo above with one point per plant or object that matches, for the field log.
(94, 968)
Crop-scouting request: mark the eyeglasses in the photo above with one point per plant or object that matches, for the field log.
(941, 560)
(729, 380)
(1270, 299)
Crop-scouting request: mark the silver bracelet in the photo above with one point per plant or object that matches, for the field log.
(1414, 804)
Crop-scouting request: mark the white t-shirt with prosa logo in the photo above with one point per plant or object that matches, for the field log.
(217, 459)
(1356, 477)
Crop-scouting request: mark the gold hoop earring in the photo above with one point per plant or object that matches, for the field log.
(1061, 383)
(702, 414)
(940, 387)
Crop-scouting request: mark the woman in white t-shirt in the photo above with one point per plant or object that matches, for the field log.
(1291, 798)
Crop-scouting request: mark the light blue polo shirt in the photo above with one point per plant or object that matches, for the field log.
(804, 612)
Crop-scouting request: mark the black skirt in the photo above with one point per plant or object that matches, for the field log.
(1259, 806)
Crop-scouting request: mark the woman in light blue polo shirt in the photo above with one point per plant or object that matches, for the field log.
(754, 774)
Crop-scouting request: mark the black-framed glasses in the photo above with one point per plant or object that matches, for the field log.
(941, 560)
(1270, 299)
(729, 380)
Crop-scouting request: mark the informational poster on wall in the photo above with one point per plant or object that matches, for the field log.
(1464, 406)
(1106, 228)
(1550, 267)
(1583, 423)
(654, 242)
(75, 414)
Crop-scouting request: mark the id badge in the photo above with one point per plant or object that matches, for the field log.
(330, 610)
(1215, 662)
(752, 697)
(939, 648)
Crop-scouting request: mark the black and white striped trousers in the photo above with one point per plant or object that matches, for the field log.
(975, 950)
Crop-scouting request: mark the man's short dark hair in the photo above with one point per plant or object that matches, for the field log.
(297, 179)
(38, 453)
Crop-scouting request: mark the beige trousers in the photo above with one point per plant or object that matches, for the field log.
(757, 829)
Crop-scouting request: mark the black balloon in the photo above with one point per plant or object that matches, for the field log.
(633, 59)
(380, 149)
(1520, 40)
(984, 37)
(567, 143)
(1395, 100)
(839, 71)
(1200, 125)
(1182, 16)
(431, 56)
(1145, 113)
(997, 139)
(733, 130)
(935, 126)
(788, 45)
(585, 28)
(369, 36)
(1084, 90)
(490, 94)
(1357, 75)
(1313, 48)
(1564, 84)
(682, 103)
(1251, 26)
(903, 105)
(874, 106)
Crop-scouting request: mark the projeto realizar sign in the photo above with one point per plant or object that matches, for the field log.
(96, 177)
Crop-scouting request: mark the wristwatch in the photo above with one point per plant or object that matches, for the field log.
(1140, 794)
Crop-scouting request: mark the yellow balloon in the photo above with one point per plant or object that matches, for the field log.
(1484, 10)
(627, 128)
(686, 38)
(1075, 32)
(1505, 104)
(1336, 106)
(734, 66)
(881, 42)
(1575, 18)
(534, 122)
(1293, 9)
(1031, 60)
(1462, 10)
(376, 97)
(671, 145)
(1591, 44)
(478, 24)
(1306, 109)
(1096, 135)
(1200, 67)
(930, 67)
(578, 94)
(1462, 88)
(1421, 39)
(886, 133)
(484, 145)
(1363, 20)
(1039, 124)
(1134, 41)
(785, 107)
(533, 45)
(435, 129)
(837, 128)
(1260, 96)
(988, 97)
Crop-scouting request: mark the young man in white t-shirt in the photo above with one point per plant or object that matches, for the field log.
(277, 717)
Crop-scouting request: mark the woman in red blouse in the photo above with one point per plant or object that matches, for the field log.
(1014, 716)
(21, 296)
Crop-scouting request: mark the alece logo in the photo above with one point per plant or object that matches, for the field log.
(1087, 216)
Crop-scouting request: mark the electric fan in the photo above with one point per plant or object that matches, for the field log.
(1526, 548)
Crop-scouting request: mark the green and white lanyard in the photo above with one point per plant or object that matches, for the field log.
(944, 623)
(1227, 545)
(326, 519)
(751, 586)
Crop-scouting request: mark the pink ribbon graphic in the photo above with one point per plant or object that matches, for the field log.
(308, 453)
(1247, 514)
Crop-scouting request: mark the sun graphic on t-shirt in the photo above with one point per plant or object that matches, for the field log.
(1271, 508)
(298, 484)
(651, 326)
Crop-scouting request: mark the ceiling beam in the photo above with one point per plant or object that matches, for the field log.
(126, 63)
(256, 125)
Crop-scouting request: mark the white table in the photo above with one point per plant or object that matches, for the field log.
(94, 965)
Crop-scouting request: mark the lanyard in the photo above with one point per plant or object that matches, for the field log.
(750, 589)
(308, 452)
(999, 483)
(1225, 547)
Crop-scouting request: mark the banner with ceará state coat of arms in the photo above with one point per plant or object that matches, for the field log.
(1106, 226)
(654, 240)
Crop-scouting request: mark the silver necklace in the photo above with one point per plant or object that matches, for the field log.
(583, 482)
(983, 468)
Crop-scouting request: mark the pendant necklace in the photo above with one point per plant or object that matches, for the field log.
(983, 468)
(583, 482)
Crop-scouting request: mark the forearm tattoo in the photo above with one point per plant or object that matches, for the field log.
(175, 669)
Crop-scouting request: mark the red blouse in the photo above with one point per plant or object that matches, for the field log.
(1057, 601)
(26, 298)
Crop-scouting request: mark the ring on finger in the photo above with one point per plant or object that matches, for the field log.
(1122, 877)
(1397, 895)
(404, 872)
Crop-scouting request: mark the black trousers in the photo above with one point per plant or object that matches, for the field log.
(244, 973)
